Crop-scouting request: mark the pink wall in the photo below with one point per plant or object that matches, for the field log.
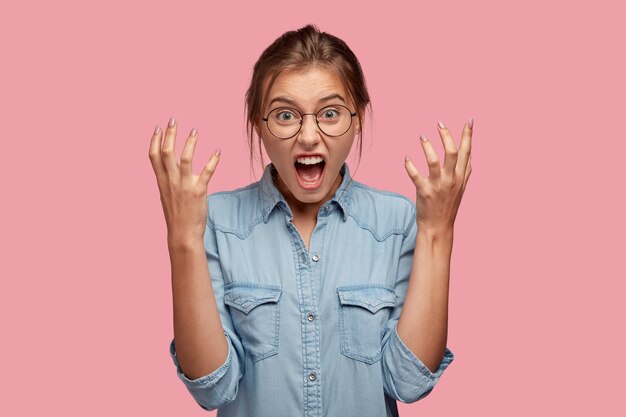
(537, 282)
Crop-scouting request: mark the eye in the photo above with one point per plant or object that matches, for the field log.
(329, 113)
(285, 115)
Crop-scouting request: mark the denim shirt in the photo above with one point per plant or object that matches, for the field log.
(311, 332)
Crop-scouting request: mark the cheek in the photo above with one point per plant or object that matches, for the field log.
(275, 151)
(345, 150)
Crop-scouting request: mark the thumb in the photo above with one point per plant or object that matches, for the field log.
(412, 171)
(209, 168)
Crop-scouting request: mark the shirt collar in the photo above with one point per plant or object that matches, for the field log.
(272, 197)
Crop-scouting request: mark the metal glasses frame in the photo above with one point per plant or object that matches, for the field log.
(266, 120)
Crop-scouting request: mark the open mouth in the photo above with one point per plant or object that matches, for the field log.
(310, 171)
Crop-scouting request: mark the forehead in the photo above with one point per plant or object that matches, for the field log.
(307, 88)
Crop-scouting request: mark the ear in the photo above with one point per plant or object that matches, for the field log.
(358, 124)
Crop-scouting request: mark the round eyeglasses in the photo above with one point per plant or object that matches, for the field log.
(285, 122)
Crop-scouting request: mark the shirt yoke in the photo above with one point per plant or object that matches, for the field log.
(382, 213)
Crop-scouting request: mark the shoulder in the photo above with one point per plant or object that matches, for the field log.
(382, 212)
(235, 211)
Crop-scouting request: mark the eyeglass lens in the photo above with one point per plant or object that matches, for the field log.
(285, 122)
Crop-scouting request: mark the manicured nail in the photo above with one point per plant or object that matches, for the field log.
(422, 137)
(157, 130)
(172, 122)
(218, 152)
(194, 132)
(470, 123)
(406, 158)
(440, 123)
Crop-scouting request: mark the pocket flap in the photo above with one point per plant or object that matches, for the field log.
(246, 296)
(371, 297)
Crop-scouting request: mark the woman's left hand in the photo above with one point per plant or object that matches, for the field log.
(439, 195)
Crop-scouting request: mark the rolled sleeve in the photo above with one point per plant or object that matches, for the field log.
(406, 378)
(215, 389)
(220, 387)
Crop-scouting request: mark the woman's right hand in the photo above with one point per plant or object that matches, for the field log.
(183, 194)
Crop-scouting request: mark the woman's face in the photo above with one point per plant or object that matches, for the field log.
(308, 92)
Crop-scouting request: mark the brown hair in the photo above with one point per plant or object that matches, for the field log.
(299, 50)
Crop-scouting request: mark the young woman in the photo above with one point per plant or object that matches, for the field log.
(308, 293)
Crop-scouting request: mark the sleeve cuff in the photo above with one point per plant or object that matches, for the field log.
(206, 380)
(448, 357)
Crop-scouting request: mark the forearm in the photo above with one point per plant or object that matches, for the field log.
(423, 323)
(201, 346)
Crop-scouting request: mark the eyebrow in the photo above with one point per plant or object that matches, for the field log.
(293, 103)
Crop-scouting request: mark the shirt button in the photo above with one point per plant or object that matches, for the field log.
(312, 376)
(316, 258)
(310, 317)
(326, 208)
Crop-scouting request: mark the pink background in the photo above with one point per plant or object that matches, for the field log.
(537, 290)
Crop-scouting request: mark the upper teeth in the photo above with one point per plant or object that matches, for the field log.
(309, 160)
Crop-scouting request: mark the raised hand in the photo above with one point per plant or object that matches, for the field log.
(183, 194)
(439, 195)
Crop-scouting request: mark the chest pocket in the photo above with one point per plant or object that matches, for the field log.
(363, 315)
(255, 312)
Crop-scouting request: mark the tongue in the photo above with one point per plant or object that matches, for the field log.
(309, 173)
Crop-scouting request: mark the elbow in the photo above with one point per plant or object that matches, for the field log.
(218, 388)
(405, 377)
(408, 391)
(213, 402)
(409, 396)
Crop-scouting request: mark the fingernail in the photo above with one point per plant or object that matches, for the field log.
(218, 152)
(172, 122)
(440, 123)
(406, 158)
(157, 130)
(470, 123)
(422, 137)
(193, 132)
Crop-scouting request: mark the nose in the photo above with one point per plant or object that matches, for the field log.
(309, 134)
